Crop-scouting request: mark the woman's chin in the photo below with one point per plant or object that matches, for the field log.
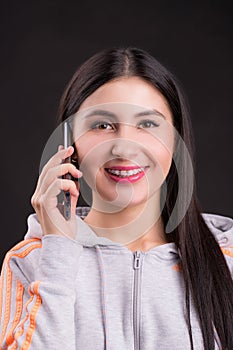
(117, 204)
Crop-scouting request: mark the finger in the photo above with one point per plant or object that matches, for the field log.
(60, 147)
(57, 171)
(57, 186)
(55, 160)
(60, 156)
(74, 201)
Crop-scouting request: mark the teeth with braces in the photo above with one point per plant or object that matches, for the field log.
(125, 173)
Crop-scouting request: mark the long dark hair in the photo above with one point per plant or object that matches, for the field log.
(208, 281)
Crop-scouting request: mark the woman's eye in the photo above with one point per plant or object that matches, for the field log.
(101, 126)
(148, 124)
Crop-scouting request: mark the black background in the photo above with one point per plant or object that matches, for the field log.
(42, 44)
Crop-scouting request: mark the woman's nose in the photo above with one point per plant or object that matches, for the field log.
(126, 144)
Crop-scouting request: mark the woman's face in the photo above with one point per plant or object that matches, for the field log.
(124, 139)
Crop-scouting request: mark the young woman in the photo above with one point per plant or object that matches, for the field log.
(120, 274)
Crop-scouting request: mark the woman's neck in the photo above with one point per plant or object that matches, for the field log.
(138, 227)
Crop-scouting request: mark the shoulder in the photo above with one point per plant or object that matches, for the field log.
(23, 249)
(21, 259)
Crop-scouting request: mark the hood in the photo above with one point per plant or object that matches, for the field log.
(220, 226)
(85, 235)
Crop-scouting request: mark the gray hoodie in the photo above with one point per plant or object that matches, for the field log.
(94, 294)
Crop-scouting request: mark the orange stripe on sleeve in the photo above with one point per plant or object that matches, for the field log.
(24, 252)
(23, 243)
(6, 271)
(1, 291)
(7, 309)
(177, 267)
(18, 312)
(34, 311)
(227, 252)
(7, 259)
(21, 329)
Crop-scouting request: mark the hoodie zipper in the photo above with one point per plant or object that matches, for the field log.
(137, 299)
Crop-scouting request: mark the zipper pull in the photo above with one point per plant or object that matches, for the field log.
(137, 260)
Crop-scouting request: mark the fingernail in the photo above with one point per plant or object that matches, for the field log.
(78, 172)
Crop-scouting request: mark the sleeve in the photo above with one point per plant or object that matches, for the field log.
(37, 294)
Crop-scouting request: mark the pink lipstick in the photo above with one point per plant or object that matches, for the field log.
(125, 173)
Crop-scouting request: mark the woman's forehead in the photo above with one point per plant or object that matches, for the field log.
(128, 90)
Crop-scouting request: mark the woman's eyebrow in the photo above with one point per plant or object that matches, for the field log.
(101, 112)
(105, 113)
(150, 112)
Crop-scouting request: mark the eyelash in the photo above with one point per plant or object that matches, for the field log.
(97, 124)
(151, 122)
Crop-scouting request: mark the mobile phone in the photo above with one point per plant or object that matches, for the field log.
(67, 140)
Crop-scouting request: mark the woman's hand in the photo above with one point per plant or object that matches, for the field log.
(49, 185)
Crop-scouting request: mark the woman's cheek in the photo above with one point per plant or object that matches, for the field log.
(163, 159)
(90, 160)
(84, 149)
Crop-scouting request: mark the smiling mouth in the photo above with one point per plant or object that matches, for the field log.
(132, 173)
(124, 173)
